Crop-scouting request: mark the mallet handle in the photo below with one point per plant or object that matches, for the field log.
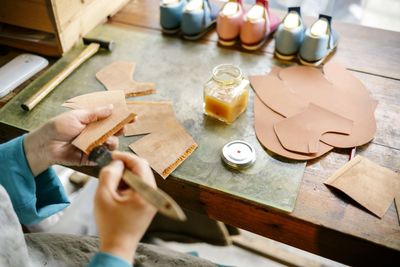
(89, 51)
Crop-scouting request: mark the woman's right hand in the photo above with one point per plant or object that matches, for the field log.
(122, 215)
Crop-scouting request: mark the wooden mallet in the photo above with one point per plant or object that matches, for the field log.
(93, 46)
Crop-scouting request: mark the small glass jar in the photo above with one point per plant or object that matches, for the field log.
(226, 93)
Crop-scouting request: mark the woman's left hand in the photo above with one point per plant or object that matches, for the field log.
(51, 143)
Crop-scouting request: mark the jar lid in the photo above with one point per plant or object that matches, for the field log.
(227, 74)
(238, 154)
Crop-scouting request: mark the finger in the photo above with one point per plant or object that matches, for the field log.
(110, 176)
(131, 160)
(112, 143)
(87, 116)
(137, 165)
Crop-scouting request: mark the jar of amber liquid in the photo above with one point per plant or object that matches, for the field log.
(226, 93)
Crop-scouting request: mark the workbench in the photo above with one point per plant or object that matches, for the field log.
(324, 221)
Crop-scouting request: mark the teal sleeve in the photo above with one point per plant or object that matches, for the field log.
(102, 259)
(33, 198)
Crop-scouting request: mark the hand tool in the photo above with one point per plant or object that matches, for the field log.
(155, 196)
(90, 50)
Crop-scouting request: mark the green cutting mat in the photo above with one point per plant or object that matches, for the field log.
(179, 68)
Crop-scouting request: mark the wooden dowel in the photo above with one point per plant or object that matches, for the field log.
(155, 196)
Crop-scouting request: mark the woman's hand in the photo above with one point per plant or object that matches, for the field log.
(122, 216)
(51, 143)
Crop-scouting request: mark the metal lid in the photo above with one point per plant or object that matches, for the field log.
(238, 154)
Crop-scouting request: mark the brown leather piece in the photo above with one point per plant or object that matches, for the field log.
(96, 99)
(97, 133)
(151, 117)
(302, 132)
(273, 92)
(343, 79)
(311, 86)
(264, 120)
(167, 144)
(288, 92)
(165, 150)
(119, 76)
(368, 183)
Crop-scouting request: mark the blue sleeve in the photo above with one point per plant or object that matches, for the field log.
(102, 259)
(33, 198)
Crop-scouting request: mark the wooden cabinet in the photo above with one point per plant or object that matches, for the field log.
(51, 27)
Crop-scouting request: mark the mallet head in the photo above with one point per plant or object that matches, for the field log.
(109, 45)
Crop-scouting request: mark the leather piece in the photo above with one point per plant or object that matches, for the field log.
(97, 132)
(165, 150)
(273, 92)
(96, 99)
(151, 117)
(265, 117)
(264, 120)
(309, 84)
(167, 144)
(302, 132)
(119, 76)
(296, 87)
(371, 185)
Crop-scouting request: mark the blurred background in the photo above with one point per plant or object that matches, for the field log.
(384, 14)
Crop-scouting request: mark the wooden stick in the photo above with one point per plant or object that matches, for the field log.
(89, 51)
(158, 198)
(155, 196)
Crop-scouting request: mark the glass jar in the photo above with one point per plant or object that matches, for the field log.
(226, 93)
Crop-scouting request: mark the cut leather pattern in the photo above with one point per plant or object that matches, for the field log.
(264, 120)
(165, 147)
(273, 92)
(119, 76)
(371, 185)
(288, 92)
(167, 144)
(151, 117)
(165, 150)
(302, 132)
(97, 133)
(96, 99)
(309, 84)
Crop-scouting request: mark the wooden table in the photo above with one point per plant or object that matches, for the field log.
(324, 221)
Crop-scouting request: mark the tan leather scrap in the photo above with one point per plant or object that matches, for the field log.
(368, 183)
(165, 150)
(290, 91)
(97, 133)
(302, 132)
(119, 76)
(264, 120)
(151, 117)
